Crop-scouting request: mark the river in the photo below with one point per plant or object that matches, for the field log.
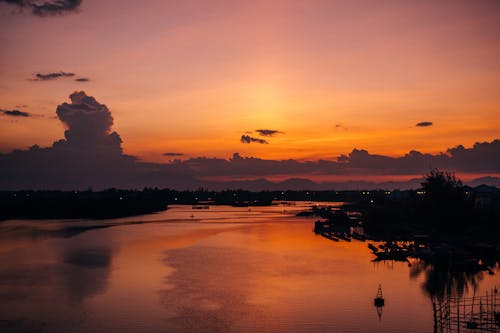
(223, 269)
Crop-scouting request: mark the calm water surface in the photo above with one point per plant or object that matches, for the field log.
(224, 269)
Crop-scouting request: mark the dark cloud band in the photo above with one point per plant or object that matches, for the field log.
(15, 113)
(268, 132)
(249, 139)
(52, 76)
(424, 124)
(46, 8)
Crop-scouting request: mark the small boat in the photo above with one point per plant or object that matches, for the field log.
(342, 236)
(200, 207)
(471, 325)
(320, 226)
(329, 236)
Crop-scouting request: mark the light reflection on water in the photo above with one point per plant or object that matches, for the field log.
(223, 269)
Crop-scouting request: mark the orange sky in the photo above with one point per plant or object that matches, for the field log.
(192, 76)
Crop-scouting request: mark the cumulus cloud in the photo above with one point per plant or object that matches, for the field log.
(88, 123)
(52, 76)
(15, 113)
(424, 124)
(173, 154)
(46, 8)
(249, 139)
(90, 155)
(82, 79)
(268, 132)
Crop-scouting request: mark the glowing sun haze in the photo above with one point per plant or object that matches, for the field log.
(200, 78)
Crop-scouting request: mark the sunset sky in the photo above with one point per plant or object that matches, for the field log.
(192, 77)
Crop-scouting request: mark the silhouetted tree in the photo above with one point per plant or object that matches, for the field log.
(445, 203)
(443, 185)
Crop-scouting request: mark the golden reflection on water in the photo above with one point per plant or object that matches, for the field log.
(224, 270)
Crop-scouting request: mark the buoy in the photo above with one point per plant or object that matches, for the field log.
(379, 299)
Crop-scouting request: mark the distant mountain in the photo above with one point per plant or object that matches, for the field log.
(491, 181)
(299, 184)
